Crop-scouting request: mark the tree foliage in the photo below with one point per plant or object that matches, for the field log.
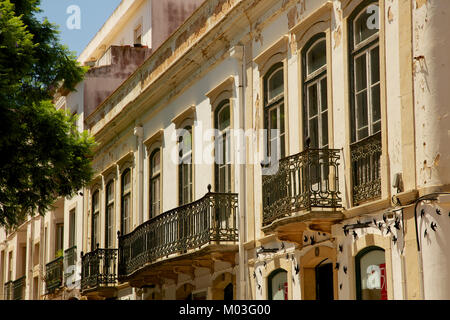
(42, 154)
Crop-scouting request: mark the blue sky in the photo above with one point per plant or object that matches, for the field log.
(93, 14)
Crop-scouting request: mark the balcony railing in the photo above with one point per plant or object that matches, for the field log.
(54, 275)
(19, 289)
(70, 261)
(210, 219)
(303, 181)
(99, 269)
(365, 155)
(8, 290)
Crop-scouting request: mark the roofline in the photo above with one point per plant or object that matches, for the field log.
(114, 20)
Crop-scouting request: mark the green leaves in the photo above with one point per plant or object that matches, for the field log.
(43, 156)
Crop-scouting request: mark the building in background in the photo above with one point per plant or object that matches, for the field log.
(265, 150)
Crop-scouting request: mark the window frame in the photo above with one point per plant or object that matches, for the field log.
(276, 103)
(355, 51)
(225, 137)
(269, 282)
(358, 257)
(94, 222)
(72, 227)
(152, 177)
(181, 157)
(309, 80)
(125, 193)
(109, 225)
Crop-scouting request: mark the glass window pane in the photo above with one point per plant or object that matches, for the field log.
(224, 117)
(222, 182)
(376, 127)
(373, 282)
(312, 99)
(360, 73)
(156, 160)
(365, 24)
(324, 142)
(95, 202)
(273, 119)
(323, 94)
(126, 180)
(361, 110)
(186, 142)
(275, 84)
(219, 149)
(375, 65)
(282, 119)
(228, 189)
(126, 214)
(227, 149)
(110, 192)
(155, 196)
(95, 230)
(283, 149)
(314, 133)
(376, 111)
(317, 56)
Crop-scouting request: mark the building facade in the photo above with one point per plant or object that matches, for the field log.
(291, 150)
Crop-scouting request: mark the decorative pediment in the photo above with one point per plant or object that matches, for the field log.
(188, 113)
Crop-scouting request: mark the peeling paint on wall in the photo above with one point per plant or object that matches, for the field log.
(337, 35)
(420, 3)
(292, 17)
(390, 15)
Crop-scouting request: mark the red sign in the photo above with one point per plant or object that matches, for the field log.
(285, 291)
(383, 281)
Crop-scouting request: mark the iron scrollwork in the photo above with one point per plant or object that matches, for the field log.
(302, 181)
(210, 219)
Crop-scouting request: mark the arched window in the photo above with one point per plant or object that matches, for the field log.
(274, 112)
(109, 217)
(126, 202)
(278, 285)
(365, 102)
(315, 101)
(155, 183)
(371, 278)
(95, 219)
(185, 167)
(365, 71)
(223, 148)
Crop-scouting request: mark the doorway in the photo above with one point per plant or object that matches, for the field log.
(324, 281)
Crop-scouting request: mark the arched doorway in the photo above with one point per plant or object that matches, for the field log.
(223, 287)
(278, 285)
(371, 281)
(324, 280)
(317, 274)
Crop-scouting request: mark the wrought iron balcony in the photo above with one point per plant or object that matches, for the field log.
(19, 289)
(8, 290)
(54, 275)
(365, 155)
(211, 219)
(302, 181)
(99, 269)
